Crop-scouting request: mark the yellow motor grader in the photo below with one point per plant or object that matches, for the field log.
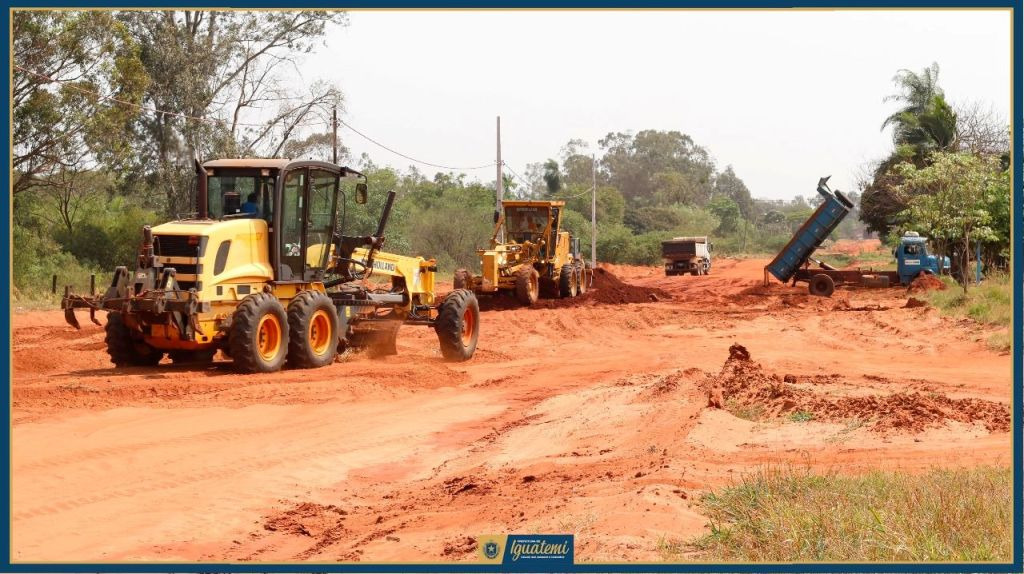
(528, 250)
(265, 273)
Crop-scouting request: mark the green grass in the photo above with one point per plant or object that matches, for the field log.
(753, 413)
(990, 303)
(801, 416)
(798, 515)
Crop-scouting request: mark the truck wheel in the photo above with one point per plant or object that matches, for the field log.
(312, 330)
(192, 357)
(581, 278)
(458, 325)
(707, 269)
(461, 280)
(567, 281)
(821, 285)
(527, 285)
(259, 334)
(124, 349)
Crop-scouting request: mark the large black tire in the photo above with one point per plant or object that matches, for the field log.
(581, 278)
(821, 285)
(458, 325)
(192, 357)
(527, 285)
(312, 330)
(124, 348)
(461, 280)
(259, 334)
(567, 283)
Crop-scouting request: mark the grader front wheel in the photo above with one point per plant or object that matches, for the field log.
(313, 330)
(259, 334)
(527, 285)
(568, 285)
(458, 325)
(124, 349)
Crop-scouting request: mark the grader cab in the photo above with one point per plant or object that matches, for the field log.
(529, 250)
(266, 274)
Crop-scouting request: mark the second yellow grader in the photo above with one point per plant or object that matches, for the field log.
(529, 250)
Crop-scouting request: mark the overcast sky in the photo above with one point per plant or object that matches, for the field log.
(782, 96)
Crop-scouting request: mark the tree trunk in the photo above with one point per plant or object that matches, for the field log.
(965, 259)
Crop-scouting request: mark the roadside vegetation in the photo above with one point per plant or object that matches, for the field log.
(990, 303)
(785, 515)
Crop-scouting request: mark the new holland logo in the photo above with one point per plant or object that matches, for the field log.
(491, 550)
(384, 266)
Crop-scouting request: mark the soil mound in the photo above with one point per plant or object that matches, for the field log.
(926, 282)
(743, 382)
(606, 289)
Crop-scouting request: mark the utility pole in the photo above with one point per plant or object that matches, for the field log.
(334, 125)
(593, 212)
(500, 183)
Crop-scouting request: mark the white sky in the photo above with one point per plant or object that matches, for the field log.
(782, 96)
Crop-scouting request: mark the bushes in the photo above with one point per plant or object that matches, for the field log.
(37, 259)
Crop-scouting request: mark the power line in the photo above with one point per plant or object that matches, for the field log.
(410, 158)
(516, 175)
(241, 124)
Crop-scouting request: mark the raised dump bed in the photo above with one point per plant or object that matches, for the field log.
(811, 234)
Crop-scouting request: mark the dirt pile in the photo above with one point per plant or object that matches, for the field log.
(743, 383)
(606, 289)
(926, 282)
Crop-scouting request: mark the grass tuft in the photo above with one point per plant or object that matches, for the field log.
(784, 515)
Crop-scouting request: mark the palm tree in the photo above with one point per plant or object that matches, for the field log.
(925, 122)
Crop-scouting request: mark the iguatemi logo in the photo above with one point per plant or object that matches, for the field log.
(529, 551)
(491, 549)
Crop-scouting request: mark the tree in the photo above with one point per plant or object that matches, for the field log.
(76, 81)
(951, 197)
(552, 177)
(727, 212)
(219, 74)
(632, 163)
(728, 184)
(924, 121)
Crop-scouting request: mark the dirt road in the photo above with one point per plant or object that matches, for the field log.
(591, 419)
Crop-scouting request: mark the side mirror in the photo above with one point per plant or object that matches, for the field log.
(360, 193)
(497, 215)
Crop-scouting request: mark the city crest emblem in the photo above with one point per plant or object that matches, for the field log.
(491, 550)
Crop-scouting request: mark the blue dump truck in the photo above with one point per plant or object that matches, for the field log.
(793, 262)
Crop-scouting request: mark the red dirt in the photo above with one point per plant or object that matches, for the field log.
(925, 282)
(746, 384)
(590, 419)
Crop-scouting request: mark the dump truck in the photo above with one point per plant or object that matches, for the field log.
(529, 249)
(793, 262)
(265, 273)
(686, 255)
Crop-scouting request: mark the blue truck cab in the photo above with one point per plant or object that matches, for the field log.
(912, 257)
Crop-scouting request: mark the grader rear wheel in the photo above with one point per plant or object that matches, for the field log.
(458, 325)
(259, 334)
(527, 285)
(313, 330)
